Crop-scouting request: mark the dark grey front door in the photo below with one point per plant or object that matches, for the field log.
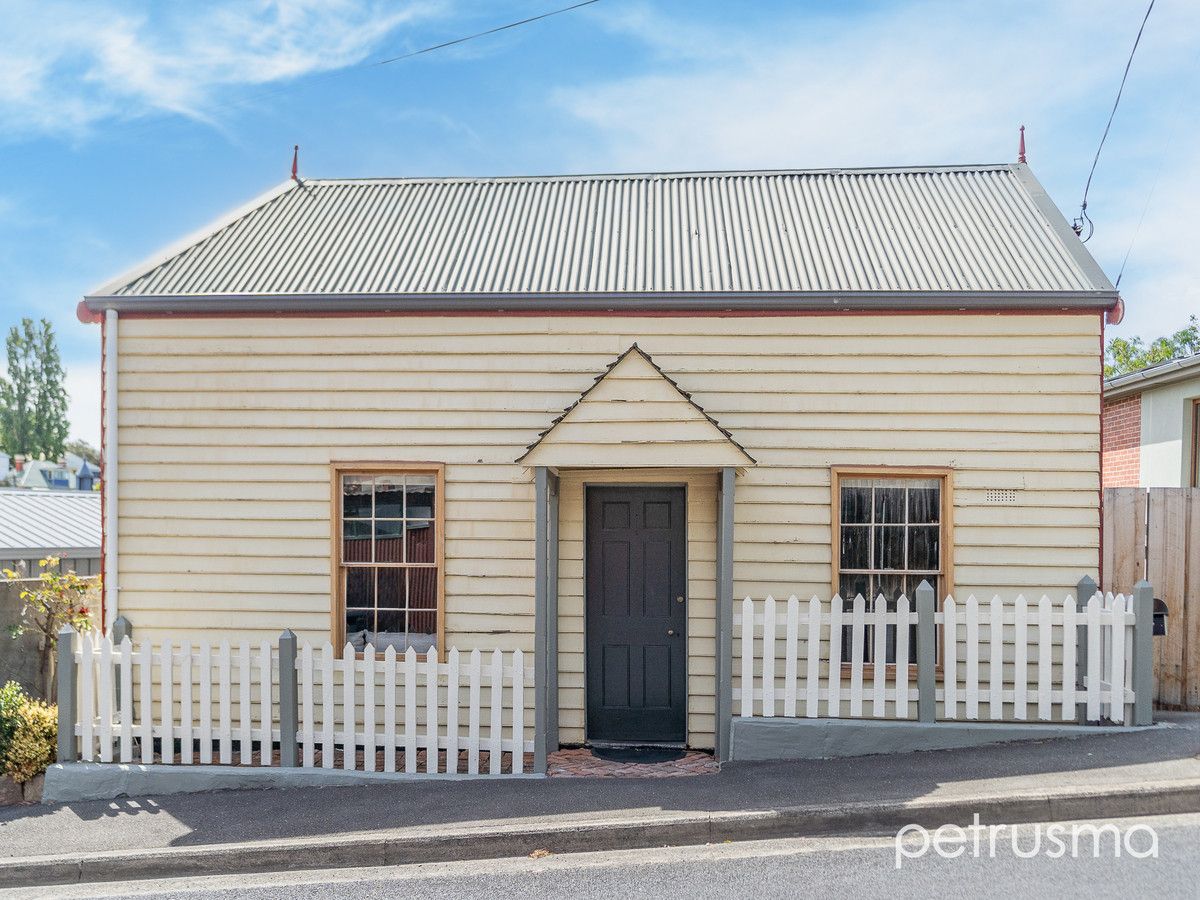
(636, 614)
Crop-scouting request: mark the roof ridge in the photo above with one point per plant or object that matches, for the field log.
(674, 175)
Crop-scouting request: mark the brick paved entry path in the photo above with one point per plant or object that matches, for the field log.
(580, 763)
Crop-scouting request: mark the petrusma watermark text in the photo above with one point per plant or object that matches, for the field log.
(1053, 840)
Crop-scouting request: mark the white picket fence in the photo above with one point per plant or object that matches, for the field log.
(999, 661)
(430, 717)
(372, 711)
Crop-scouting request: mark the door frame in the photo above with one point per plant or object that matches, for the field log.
(687, 603)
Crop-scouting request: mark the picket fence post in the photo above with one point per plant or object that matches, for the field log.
(67, 696)
(1143, 653)
(289, 710)
(121, 628)
(926, 653)
(1084, 591)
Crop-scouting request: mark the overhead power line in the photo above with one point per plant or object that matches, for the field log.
(471, 37)
(278, 89)
(1083, 218)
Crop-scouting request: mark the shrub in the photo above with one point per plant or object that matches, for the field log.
(34, 742)
(49, 602)
(12, 698)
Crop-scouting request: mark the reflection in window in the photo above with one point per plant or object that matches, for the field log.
(389, 560)
(890, 540)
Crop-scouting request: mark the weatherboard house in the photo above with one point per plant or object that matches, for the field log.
(578, 416)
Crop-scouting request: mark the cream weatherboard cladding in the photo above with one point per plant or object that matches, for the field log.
(227, 429)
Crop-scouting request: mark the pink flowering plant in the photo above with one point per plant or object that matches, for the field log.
(49, 602)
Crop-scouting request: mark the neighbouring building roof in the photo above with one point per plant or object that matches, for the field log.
(49, 521)
(1154, 376)
(841, 237)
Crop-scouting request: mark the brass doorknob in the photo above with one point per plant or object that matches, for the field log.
(679, 599)
(670, 632)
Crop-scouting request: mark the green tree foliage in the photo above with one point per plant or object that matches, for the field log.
(33, 398)
(82, 448)
(1124, 356)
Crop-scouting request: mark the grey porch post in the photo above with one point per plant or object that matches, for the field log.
(545, 602)
(1084, 591)
(724, 656)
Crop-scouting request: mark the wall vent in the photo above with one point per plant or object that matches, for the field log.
(1000, 495)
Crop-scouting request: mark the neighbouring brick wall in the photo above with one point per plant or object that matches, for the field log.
(1122, 462)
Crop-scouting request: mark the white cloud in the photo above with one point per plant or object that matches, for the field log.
(65, 67)
(931, 82)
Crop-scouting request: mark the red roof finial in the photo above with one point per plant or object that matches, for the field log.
(1020, 149)
(296, 160)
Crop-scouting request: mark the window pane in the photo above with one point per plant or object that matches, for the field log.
(889, 547)
(422, 588)
(358, 625)
(389, 542)
(356, 496)
(390, 622)
(923, 547)
(856, 547)
(891, 586)
(889, 504)
(360, 586)
(389, 497)
(420, 497)
(924, 504)
(391, 588)
(356, 544)
(419, 539)
(856, 503)
(853, 585)
(422, 630)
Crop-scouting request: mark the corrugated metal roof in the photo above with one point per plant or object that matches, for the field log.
(1168, 372)
(42, 521)
(966, 229)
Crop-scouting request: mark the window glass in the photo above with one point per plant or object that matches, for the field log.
(389, 560)
(389, 497)
(356, 496)
(890, 541)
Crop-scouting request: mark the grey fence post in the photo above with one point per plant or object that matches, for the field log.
(121, 628)
(1143, 653)
(66, 695)
(926, 653)
(1084, 591)
(289, 710)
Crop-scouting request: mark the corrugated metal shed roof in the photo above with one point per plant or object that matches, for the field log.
(42, 521)
(967, 229)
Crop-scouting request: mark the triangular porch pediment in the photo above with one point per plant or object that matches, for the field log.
(635, 416)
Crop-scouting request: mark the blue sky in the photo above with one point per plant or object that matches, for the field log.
(125, 125)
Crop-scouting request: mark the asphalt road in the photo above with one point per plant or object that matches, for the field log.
(829, 867)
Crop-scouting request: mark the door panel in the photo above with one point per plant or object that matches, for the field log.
(636, 614)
